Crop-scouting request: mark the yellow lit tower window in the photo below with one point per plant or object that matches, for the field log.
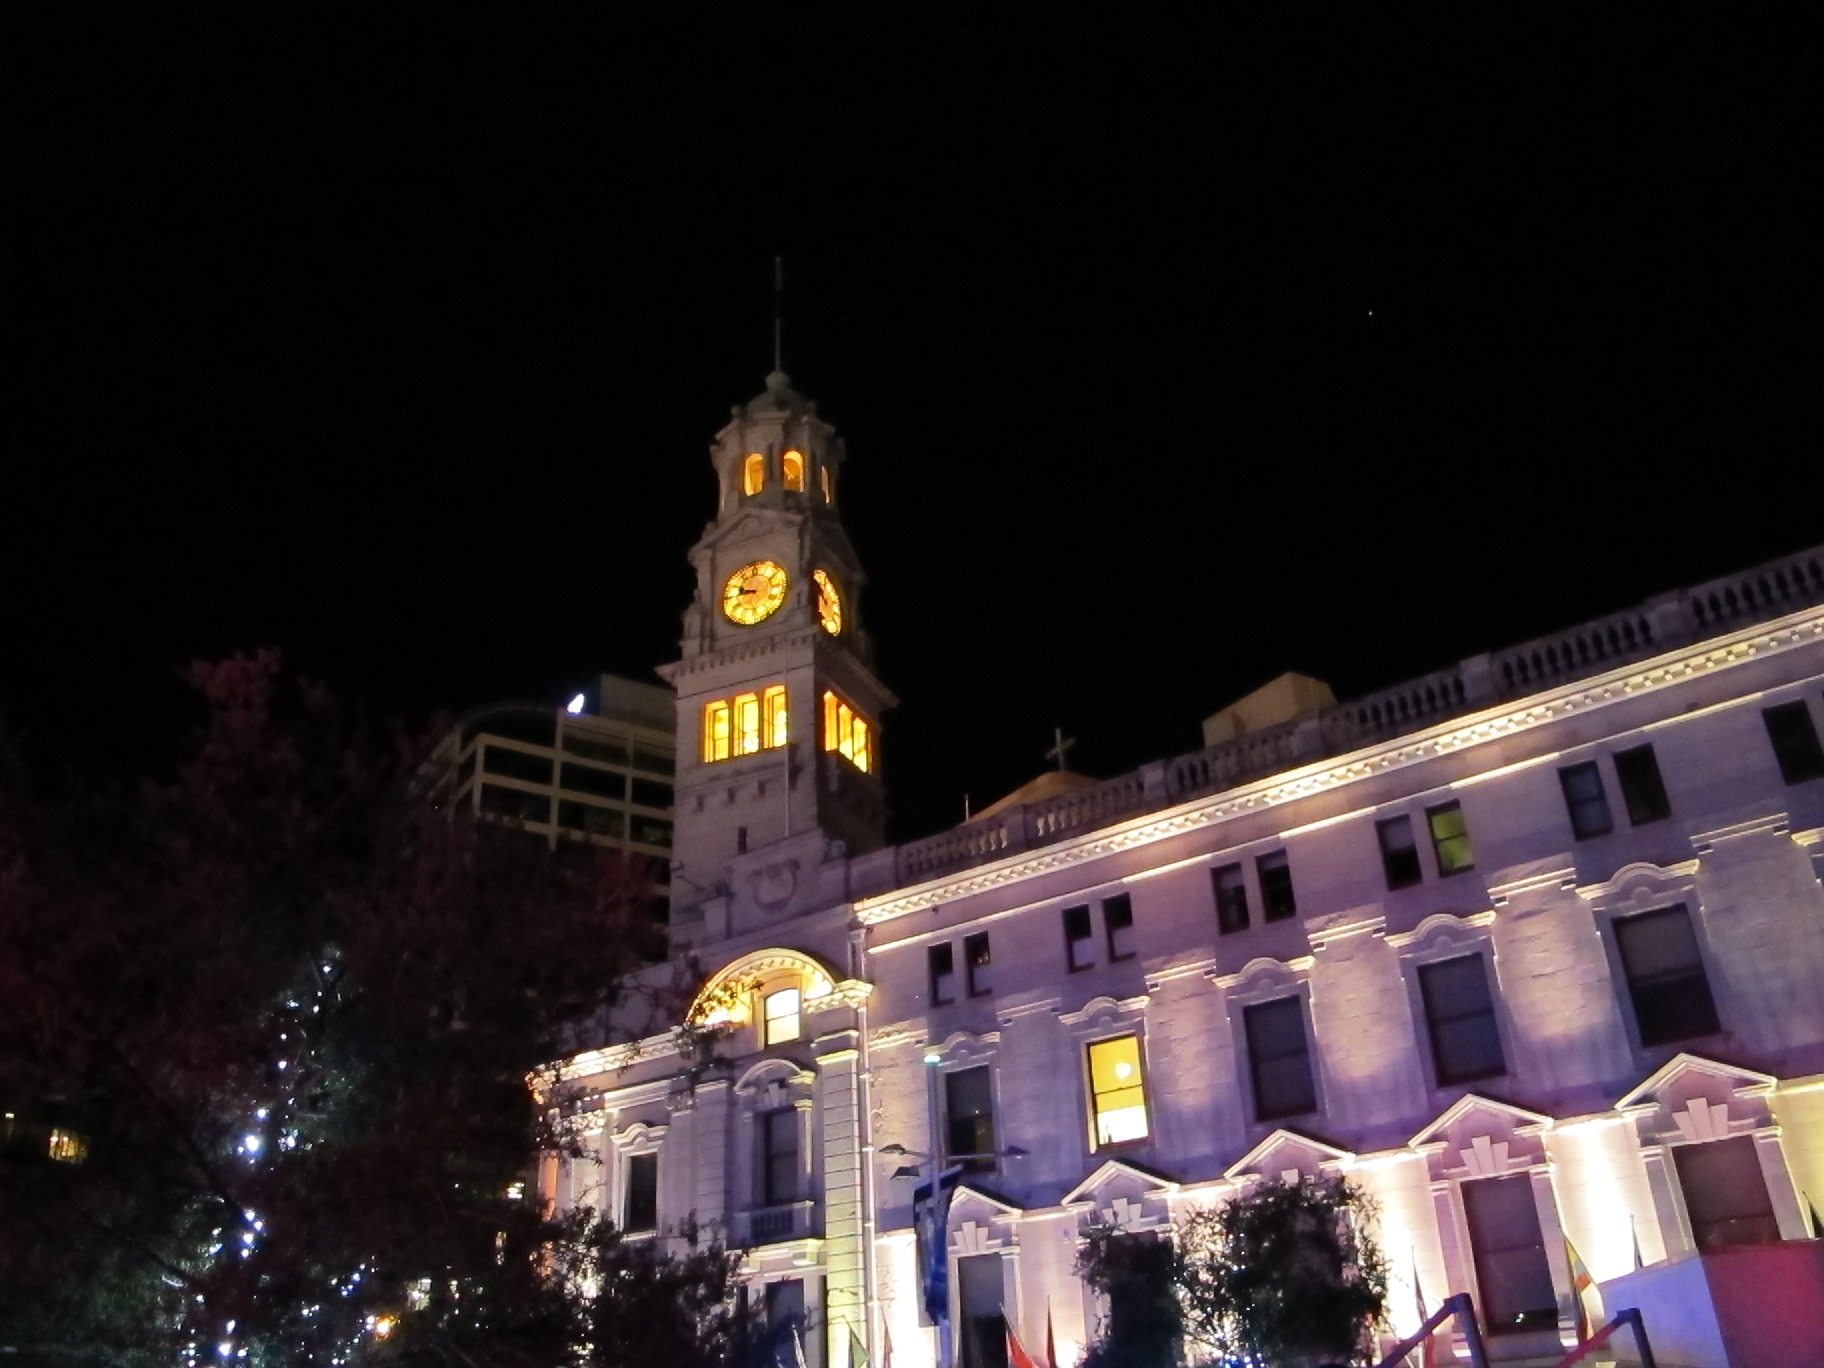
(846, 732)
(793, 463)
(753, 473)
(773, 704)
(746, 724)
(716, 732)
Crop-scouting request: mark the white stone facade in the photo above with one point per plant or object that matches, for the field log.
(1534, 1026)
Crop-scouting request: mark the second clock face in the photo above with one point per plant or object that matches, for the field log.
(829, 602)
(754, 592)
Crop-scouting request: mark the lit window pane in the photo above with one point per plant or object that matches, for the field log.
(715, 731)
(1117, 1090)
(775, 717)
(753, 474)
(793, 463)
(747, 724)
(781, 1016)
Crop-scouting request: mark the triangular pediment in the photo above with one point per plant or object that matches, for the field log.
(1117, 1177)
(970, 1202)
(1501, 1115)
(1287, 1152)
(1690, 1068)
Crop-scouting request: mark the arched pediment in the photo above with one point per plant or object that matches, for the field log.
(1640, 885)
(1265, 975)
(769, 1073)
(1442, 932)
(720, 1000)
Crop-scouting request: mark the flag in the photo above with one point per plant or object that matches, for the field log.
(1051, 1343)
(1582, 1285)
(858, 1353)
(1427, 1355)
(1017, 1357)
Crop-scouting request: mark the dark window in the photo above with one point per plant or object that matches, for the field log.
(1231, 898)
(515, 803)
(1276, 899)
(597, 821)
(651, 793)
(1641, 788)
(977, 962)
(1665, 973)
(651, 831)
(1460, 1014)
(609, 752)
(778, 1156)
(1450, 838)
(653, 761)
(942, 961)
(1726, 1193)
(969, 1118)
(1399, 855)
(1079, 953)
(588, 779)
(1795, 741)
(1509, 1252)
(1279, 1058)
(535, 726)
(1118, 923)
(785, 1307)
(981, 1283)
(1585, 800)
(640, 1210)
(516, 764)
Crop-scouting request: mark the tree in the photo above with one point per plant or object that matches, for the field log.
(1138, 1276)
(1286, 1275)
(281, 1014)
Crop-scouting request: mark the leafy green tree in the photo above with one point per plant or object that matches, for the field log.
(264, 1040)
(1286, 1275)
(1137, 1277)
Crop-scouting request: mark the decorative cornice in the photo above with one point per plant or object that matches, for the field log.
(1444, 739)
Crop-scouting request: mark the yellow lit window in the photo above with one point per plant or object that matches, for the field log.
(1117, 1092)
(846, 732)
(753, 473)
(747, 723)
(779, 1019)
(715, 731)
(774, 699)
(67, 1147)
(794, 470)
(823, 478)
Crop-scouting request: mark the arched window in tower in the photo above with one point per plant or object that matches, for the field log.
(774, 707)
(846, 732)
(793, 462)
(753, 473)
(823, 479)
(747, 723)
(716, 733)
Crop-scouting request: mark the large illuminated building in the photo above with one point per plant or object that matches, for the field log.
(1531, 948)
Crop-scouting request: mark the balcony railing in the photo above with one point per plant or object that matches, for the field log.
(1662, 624)
(776, 1224)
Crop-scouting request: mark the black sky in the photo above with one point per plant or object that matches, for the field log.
(1170, 355)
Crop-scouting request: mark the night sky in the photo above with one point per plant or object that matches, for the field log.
(1169, 356)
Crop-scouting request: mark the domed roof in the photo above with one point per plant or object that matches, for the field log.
(777, 397)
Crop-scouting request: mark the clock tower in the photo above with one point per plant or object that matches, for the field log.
(778, 706)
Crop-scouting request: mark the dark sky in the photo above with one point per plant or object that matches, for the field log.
(1169, 355)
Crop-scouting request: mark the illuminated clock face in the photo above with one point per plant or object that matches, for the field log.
(754, 592)
(829, 602)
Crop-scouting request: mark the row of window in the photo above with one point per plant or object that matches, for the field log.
(792, 468)
(752, 722)
(744, 725)
(1661, 964)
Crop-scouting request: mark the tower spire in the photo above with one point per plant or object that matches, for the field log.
(778, 313)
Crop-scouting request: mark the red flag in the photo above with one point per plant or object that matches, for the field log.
(1017, 1357)
(1582, 1284)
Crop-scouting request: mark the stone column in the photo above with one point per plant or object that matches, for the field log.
(839, 1108)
